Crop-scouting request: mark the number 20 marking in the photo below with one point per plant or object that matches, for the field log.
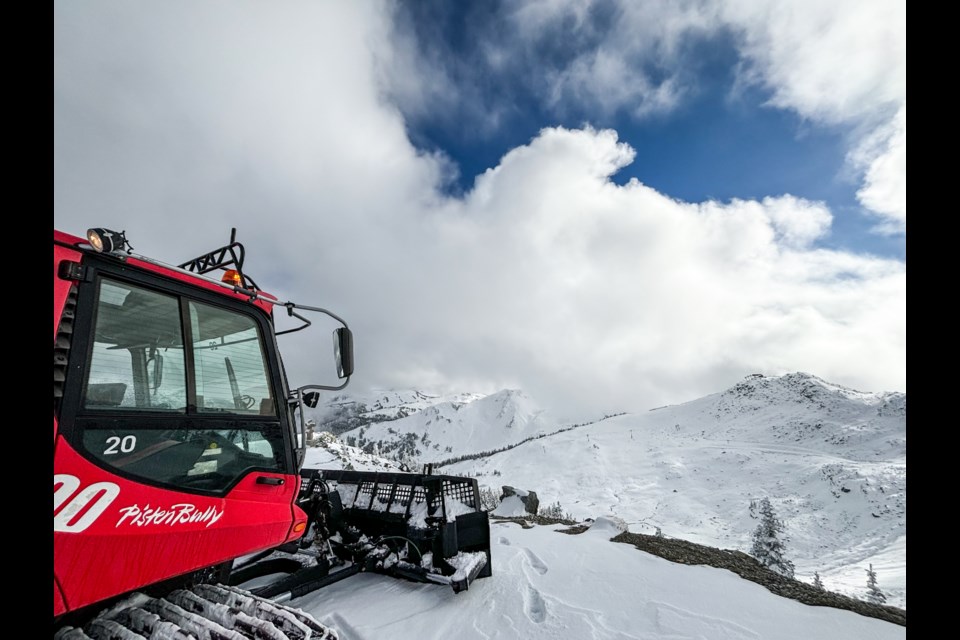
(116, 445)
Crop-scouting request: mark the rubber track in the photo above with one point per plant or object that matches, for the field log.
(206, 612)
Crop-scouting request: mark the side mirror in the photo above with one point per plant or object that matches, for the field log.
(343, 351)
(311, 398)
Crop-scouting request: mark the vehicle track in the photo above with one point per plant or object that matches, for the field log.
(205, 612)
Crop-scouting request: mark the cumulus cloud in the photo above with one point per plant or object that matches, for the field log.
(630, 292)
(829, 61)
(839, 64)
(884, 192)
(177, 121)
(797, 222)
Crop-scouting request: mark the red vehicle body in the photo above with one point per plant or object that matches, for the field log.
(177, 444)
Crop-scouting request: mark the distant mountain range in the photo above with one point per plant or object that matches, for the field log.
(347, 411)
(832, 461)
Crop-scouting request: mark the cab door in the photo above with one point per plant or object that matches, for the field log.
(173, 451)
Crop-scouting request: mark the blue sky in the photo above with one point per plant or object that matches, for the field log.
(611, 205)
(721, 141)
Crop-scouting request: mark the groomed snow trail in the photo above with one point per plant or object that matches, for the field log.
(551, 585)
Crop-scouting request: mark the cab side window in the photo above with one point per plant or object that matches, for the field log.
(229, 362)
(137, 359)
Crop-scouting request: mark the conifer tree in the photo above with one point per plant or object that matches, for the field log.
(768, 547)
(489, 499)
(817, 582)
(874, 594)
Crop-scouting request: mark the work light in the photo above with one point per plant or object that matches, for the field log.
(105, 240)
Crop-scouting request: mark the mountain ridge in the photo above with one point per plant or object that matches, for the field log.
(832, 461)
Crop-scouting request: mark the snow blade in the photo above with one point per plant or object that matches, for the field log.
(438, 518)
(417, 527)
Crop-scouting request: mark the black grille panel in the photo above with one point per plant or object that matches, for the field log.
(61, 345)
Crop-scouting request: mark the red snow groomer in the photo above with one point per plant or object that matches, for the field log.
(178, 449)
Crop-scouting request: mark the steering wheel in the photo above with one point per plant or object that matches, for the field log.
(243, 401)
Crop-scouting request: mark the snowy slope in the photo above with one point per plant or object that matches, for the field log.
(454, 427)
(831, 459)
(554, 586)
(832, 462)
(330, 453)
(346, 411)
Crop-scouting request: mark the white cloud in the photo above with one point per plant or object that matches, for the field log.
(830, 61)
(835, 62)
(838, 63)
(550, 277)
(178, 121)
(884, 154)
(627, 54)
(604, 82)
(797, 222)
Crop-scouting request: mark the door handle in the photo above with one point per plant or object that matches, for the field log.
(269, 480)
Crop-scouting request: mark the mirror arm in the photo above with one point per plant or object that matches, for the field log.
(291, 312)
(290, 306)
(324, 387)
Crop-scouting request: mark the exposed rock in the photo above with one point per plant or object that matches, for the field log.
(750, 568)
(529, 498)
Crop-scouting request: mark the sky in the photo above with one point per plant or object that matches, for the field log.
(610, 205)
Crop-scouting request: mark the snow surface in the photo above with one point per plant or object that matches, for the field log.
(832, 461)
(547, 584)
(511, 506)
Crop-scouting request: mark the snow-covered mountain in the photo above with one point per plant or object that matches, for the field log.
(347, 411)
(418, 428)
(831, 460)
